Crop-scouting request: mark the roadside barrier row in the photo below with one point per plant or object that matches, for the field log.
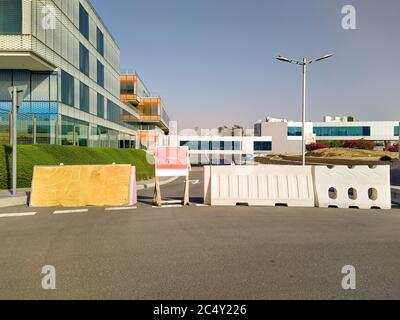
(363, 187)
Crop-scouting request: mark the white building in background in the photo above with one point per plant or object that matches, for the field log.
(214, 149)
(287, 136)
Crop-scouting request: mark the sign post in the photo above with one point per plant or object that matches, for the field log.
(171, 162)
(18, 94)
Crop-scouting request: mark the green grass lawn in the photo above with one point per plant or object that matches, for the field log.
(30, 155)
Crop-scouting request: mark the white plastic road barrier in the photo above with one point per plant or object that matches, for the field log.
(262, 185)
(207, 185)
(396, 195)
(362, 187)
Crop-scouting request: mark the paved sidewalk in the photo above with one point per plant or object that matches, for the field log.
(22, 197)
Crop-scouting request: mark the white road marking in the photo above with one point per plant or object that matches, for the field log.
(195, 181)
(172, 202)
(120, 208)
(169, 206)
(201, 205)
(70, 211)
(22, 214)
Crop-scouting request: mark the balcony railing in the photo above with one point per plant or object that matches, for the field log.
(16, 42)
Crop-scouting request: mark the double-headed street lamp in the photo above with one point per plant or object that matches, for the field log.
(304, 63)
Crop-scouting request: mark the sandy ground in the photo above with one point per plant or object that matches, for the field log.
(343, 153)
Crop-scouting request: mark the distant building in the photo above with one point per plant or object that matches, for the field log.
(287, 136)
(208, 149)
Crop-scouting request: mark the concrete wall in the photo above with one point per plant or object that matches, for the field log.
(280, 142)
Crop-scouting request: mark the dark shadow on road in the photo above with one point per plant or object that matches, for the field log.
(8, 158)
(149, 200)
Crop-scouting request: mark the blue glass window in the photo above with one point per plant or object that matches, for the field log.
(100, 106)
(40, 107)
(212, 145)
(216, 145)
(83, 59)
(100, 73)
(83, 22)
(226, 145)
(342, 131)
(237, 145)
(113, 112)
(396, 131)
(100, 42)
(262, 145)
(84, 97)
(295, 131)
(193, 145)
(10, 16)
(53, 108)
(67, 89)
(26, 107)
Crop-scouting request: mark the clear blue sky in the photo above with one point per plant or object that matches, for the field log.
(213, 61)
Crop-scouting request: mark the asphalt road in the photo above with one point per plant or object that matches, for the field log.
(200, 252)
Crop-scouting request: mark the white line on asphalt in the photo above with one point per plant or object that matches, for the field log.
(22, 214)
(172, 202)
(201, 205)
(70, 211)
(169, 206)
(120, 208)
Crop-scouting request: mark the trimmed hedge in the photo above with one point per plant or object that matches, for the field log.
(31, 155)
(316, 146)
(361, 144)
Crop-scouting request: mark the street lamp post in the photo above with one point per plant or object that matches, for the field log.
(304, 63)
(398, 143)
(17, 93)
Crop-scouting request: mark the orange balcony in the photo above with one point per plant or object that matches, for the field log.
(150, 109)
(128, 89)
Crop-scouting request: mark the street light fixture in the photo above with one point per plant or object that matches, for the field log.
(304, 63)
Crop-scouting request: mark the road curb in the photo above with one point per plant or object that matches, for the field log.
(19, 200)
(13, 201)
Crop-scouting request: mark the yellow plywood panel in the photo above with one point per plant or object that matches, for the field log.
(77, 186)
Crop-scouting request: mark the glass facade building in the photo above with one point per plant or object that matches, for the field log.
(38, 116)
(342, 131)
(72, 69)
(295, 131)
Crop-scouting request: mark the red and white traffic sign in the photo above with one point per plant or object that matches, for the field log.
(172, 161)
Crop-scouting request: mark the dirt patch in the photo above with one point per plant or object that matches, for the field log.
(342, 153)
